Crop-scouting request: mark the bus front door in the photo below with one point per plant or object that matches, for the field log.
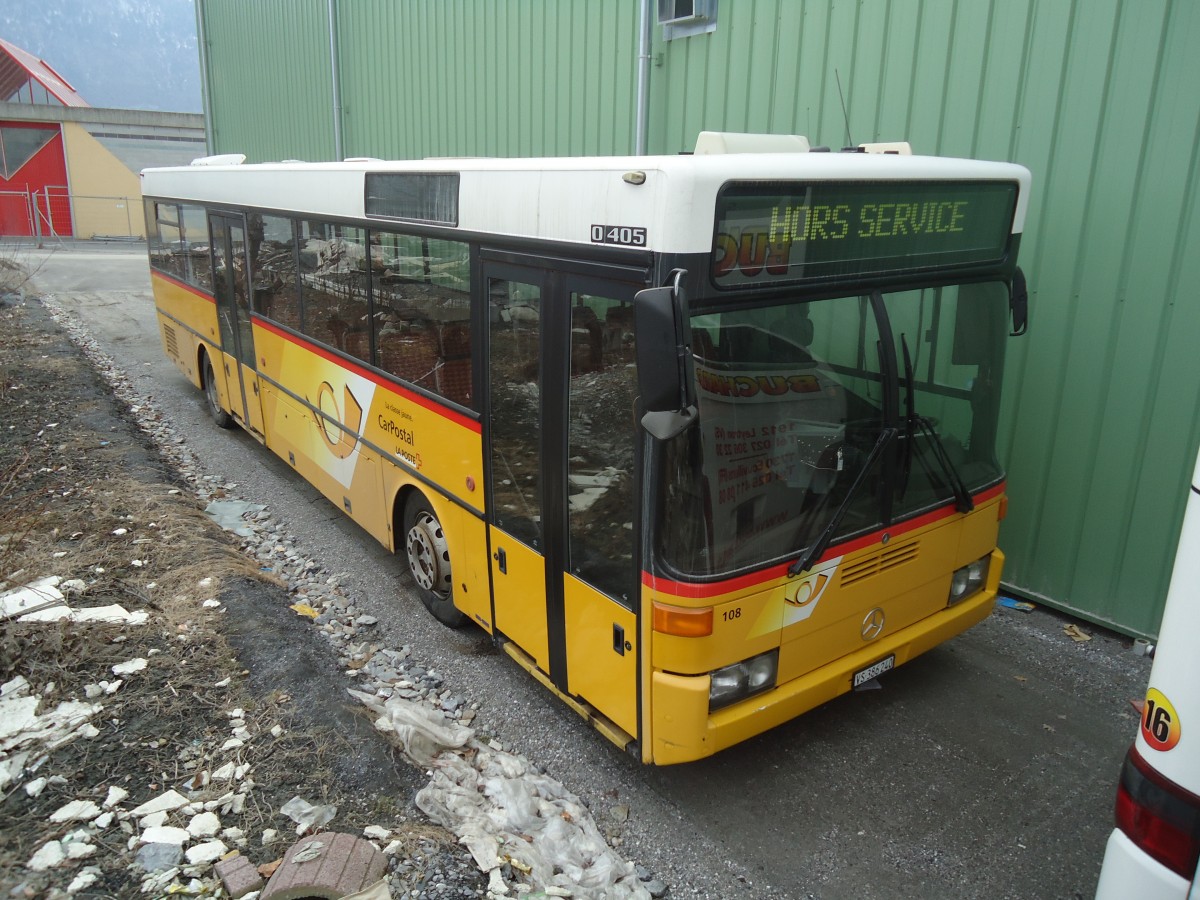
(561, 424)
(231, 289)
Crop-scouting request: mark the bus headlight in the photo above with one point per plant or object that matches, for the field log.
(968, 580)
(736, 682)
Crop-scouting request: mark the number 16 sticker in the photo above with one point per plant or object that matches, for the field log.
(1160, 723)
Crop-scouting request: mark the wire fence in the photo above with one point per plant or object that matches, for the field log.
(52, 213)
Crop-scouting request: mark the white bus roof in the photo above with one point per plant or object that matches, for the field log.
(562, 198)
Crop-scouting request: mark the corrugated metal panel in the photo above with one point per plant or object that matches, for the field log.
(269, 78)
(488, 77)
(1098, 99)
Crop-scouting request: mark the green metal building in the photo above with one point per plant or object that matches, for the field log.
(1099, 99)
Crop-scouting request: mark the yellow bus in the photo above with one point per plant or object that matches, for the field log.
(702, 441)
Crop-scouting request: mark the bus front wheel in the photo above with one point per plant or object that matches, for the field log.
(222, 418)
(428, 556)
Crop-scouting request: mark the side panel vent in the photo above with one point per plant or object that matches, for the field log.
(171, 341)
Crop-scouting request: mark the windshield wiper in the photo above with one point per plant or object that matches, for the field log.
(910, 418)
(962, 496)
(886, 436)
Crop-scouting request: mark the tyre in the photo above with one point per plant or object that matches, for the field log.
(428, 556)
(222, 418)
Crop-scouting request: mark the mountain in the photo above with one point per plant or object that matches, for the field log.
(126, 54)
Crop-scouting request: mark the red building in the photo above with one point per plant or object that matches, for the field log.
(33, 164)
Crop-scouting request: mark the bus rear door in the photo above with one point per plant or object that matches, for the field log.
(561, 388)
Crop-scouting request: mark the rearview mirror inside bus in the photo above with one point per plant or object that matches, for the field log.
(662, 355)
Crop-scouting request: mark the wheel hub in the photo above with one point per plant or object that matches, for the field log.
(429, 555)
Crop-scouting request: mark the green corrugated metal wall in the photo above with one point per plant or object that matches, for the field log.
(1100, 99)
(269, 78)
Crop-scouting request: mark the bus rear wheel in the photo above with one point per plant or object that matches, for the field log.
(428, 555)
(222, 418)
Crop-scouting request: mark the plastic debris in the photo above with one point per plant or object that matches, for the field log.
(305, 610)
(1019, 605)
(307, 816)
(503, 810)
(229, 515)
(1075, 633)
(36, 595)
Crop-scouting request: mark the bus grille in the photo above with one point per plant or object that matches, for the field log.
(170, 340)
(884, 560)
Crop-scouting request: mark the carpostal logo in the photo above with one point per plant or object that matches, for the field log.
(338, 413)
(342, 440)
(800, 598)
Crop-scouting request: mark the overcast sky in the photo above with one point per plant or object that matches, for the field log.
(126, 54)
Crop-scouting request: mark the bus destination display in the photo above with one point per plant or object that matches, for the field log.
(785, 233)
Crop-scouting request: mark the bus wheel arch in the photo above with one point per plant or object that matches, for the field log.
(423, 545)
(208, 384)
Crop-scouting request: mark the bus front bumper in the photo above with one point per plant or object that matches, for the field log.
(684, 730)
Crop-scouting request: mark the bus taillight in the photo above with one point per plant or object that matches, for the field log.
(1159, 816)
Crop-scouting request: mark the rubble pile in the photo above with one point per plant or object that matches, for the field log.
(170, 831)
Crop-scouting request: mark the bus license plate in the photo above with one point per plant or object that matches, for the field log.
(862, 676)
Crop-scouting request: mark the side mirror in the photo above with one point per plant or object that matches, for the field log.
(1018, 304)
(664, 361)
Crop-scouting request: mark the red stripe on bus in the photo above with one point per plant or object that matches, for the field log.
(413, 397)
(705, 590)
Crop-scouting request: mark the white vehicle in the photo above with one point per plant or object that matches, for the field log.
(1152, 853)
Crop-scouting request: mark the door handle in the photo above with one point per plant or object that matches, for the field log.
(619, 643)
(502, 559)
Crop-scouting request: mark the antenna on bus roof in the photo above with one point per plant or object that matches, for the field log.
(845, 115)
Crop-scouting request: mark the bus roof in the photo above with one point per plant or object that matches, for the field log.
(564, 198)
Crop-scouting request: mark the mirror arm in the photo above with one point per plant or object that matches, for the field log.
(1018, 304)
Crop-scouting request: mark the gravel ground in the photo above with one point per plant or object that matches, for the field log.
(281, 720)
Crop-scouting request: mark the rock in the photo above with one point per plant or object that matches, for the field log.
(129, 667)
(165, 834)
(85, 879)
(209, 851)
(75, 811)
(204, 824)
(159, 857)
(154, 820)
(657, 888)
(80, 850)
(49, 855)
(115, 796)
(165, 802)
(35, 787)
(376, 833)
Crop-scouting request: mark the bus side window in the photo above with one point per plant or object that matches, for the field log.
(276, 280)
(600, 445)
(195, 244)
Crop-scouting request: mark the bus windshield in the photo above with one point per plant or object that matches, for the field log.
(793, 399)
